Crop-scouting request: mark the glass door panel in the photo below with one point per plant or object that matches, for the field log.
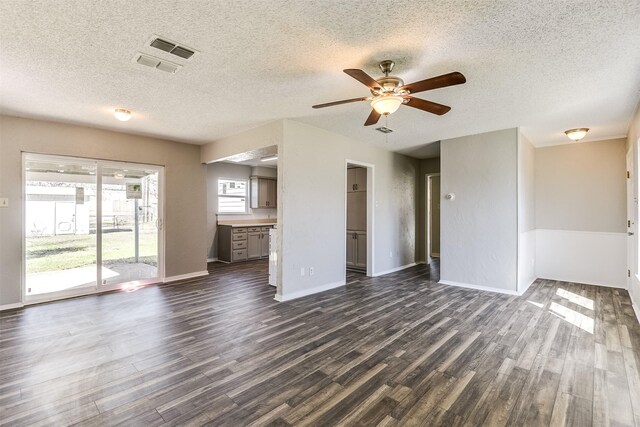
(129, 223)
(60, 226)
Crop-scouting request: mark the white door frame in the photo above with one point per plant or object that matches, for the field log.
(370, 212)
(427, 207)
(632, 215)
(99, 288)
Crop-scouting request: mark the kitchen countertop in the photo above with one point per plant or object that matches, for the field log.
(248, 224)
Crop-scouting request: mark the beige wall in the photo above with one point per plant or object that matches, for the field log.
(260, 137)
(581, 187)
(185, 201)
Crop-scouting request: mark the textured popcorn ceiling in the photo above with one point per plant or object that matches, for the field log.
(543, 65)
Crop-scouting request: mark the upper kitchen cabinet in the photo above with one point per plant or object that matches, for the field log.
(356, 179)
(263, 193)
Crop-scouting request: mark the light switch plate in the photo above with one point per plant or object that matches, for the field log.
(4, 202)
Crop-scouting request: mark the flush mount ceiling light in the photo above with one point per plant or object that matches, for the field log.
(268, 159)
(576, 134)
(118, 175)
(122, 114)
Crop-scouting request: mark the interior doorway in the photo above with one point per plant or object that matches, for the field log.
(90, 226)
(359, 218)
(432, 186)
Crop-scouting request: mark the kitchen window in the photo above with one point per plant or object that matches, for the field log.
(232, 196)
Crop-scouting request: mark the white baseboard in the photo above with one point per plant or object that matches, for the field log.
(393, 270)
(212, 259)
(11, 306)
(478, 287)
(306, 292)
(185, 276)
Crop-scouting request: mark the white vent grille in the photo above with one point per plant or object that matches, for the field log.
(157, 63)
(172, 47)
(384, 129)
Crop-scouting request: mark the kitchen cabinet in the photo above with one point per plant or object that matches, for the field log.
(264, 193)
(357, 250)
(254, 244)
(356, 179)
(264, 239)
(242, 243)
(357, 210)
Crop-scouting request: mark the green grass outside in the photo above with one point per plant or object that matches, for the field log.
(52, 253)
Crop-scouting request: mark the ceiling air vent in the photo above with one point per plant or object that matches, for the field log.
(384, 129)
(172, 48)
(157, 63)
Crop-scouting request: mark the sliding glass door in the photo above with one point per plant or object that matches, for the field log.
(90, 226)
(129, 224)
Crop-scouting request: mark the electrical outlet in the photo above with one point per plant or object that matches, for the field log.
(302, 271)
(4, 202)
(310, 271)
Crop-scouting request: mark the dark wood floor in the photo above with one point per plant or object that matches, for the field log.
(395, 350)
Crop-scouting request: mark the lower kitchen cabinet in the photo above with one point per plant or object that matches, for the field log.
(356, 250)
(242, 243)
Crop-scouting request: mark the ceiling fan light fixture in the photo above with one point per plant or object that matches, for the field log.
(576, 134)
(122, 114)
(386, 104)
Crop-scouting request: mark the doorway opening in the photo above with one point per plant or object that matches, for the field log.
(90, 226)
(359, 218)
(432, 186)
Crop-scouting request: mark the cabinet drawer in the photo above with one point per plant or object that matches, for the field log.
(266, 228)
(239, 255)
(253, 229)
(239, 230)
(240, 244)
(236, 237)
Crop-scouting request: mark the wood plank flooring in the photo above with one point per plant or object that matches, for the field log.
(394, 350)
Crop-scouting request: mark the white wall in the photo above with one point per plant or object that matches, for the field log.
(228, 170)
(581, 213)
(526, 213)
(479, 228)
(185, 210)
(311, 207)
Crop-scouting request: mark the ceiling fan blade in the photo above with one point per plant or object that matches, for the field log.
(373, 118)
(444, 80)
(428, 106)
(344, 101)
(363, 78)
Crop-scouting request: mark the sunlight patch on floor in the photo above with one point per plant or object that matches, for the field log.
(575, 298)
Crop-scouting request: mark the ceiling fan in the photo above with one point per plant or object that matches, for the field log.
(389, 92)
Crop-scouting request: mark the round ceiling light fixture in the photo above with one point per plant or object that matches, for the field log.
(122, 114)
(386, 104)
(576, 134)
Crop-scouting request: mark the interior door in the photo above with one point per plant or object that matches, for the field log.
(632, 206)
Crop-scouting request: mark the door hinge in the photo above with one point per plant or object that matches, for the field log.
(628, 223)
(628, 174)
(628, 273)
